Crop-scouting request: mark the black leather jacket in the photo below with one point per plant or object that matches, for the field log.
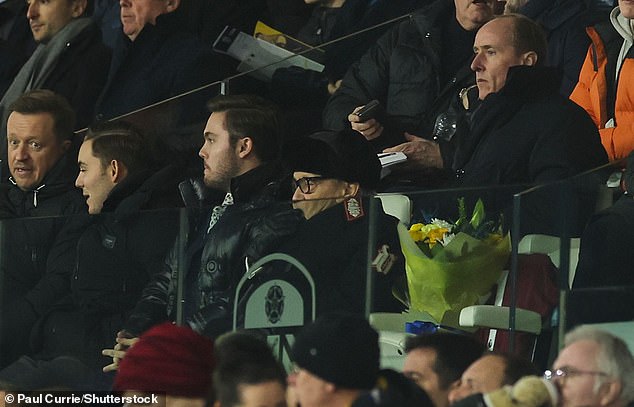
(215, 261)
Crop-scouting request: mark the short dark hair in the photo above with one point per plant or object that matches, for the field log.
(516, 367)
(454, 353)
(243, 358)
(528, 36)
(46, 101)
(119, 141)
(254, 117)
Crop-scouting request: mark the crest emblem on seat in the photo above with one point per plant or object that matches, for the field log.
(274, 304)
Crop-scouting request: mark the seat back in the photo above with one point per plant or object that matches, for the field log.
(550, 245)
(277, 296)
(397, 205)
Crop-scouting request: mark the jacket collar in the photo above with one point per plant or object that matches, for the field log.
(59, 179)
(249, 185)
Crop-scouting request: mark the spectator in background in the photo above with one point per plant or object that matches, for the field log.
(594, 369)
(69, 59)
(34, 276)
(393, 389)
(605, 89)
(416, 71)
(492, 372)
(155, 58)
(304, 93)
(336, 358)
(247, 374)
(169, 365)
(112, 262)
(564, 22)
(16, 40)
(603, 280)
(436, 362)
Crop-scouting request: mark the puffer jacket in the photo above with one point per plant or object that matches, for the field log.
(598, 94)
(403, 71)
(214, 263)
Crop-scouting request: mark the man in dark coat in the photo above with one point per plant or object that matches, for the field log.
(415, 71)
(154, 59)
(35, 205)
(241, 178)
(520, 131)
(604, 283)
(70, 58)
(115, 257)
(16, 40)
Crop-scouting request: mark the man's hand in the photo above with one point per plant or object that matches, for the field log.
(124, 342)
(420, 153)
(370, 129)
(333, 86)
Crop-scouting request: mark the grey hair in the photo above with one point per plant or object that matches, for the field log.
(614, 357)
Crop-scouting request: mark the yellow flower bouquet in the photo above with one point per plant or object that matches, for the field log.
(452, 265)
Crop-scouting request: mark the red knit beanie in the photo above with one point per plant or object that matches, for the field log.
(168, 359)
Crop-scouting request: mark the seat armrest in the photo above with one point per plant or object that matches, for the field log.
(496, 317)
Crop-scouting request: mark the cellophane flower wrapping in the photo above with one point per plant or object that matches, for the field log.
(455, 275)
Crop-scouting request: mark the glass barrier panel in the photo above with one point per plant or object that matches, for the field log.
(549, 221)
(69, 285)
(453, 250)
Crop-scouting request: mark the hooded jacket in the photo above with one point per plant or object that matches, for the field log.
(606, 88)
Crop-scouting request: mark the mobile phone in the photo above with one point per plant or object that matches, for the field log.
(368, 111)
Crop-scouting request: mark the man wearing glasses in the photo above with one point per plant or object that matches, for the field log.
(594, 369)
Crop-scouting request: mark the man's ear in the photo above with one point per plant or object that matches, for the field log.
(171, 5)
(244, 147)
(610, 392)
(529, 58)
(116, 171)
(78, 8)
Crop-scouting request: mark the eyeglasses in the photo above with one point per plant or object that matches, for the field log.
(305, 184)
(566, 372)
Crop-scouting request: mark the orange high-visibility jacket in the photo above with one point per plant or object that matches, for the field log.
(596, 93)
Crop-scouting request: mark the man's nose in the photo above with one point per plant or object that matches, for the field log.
(21, 153)
(297, 195)
(124, 3)
(476, 65)
(456, 395)
(32, 11)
